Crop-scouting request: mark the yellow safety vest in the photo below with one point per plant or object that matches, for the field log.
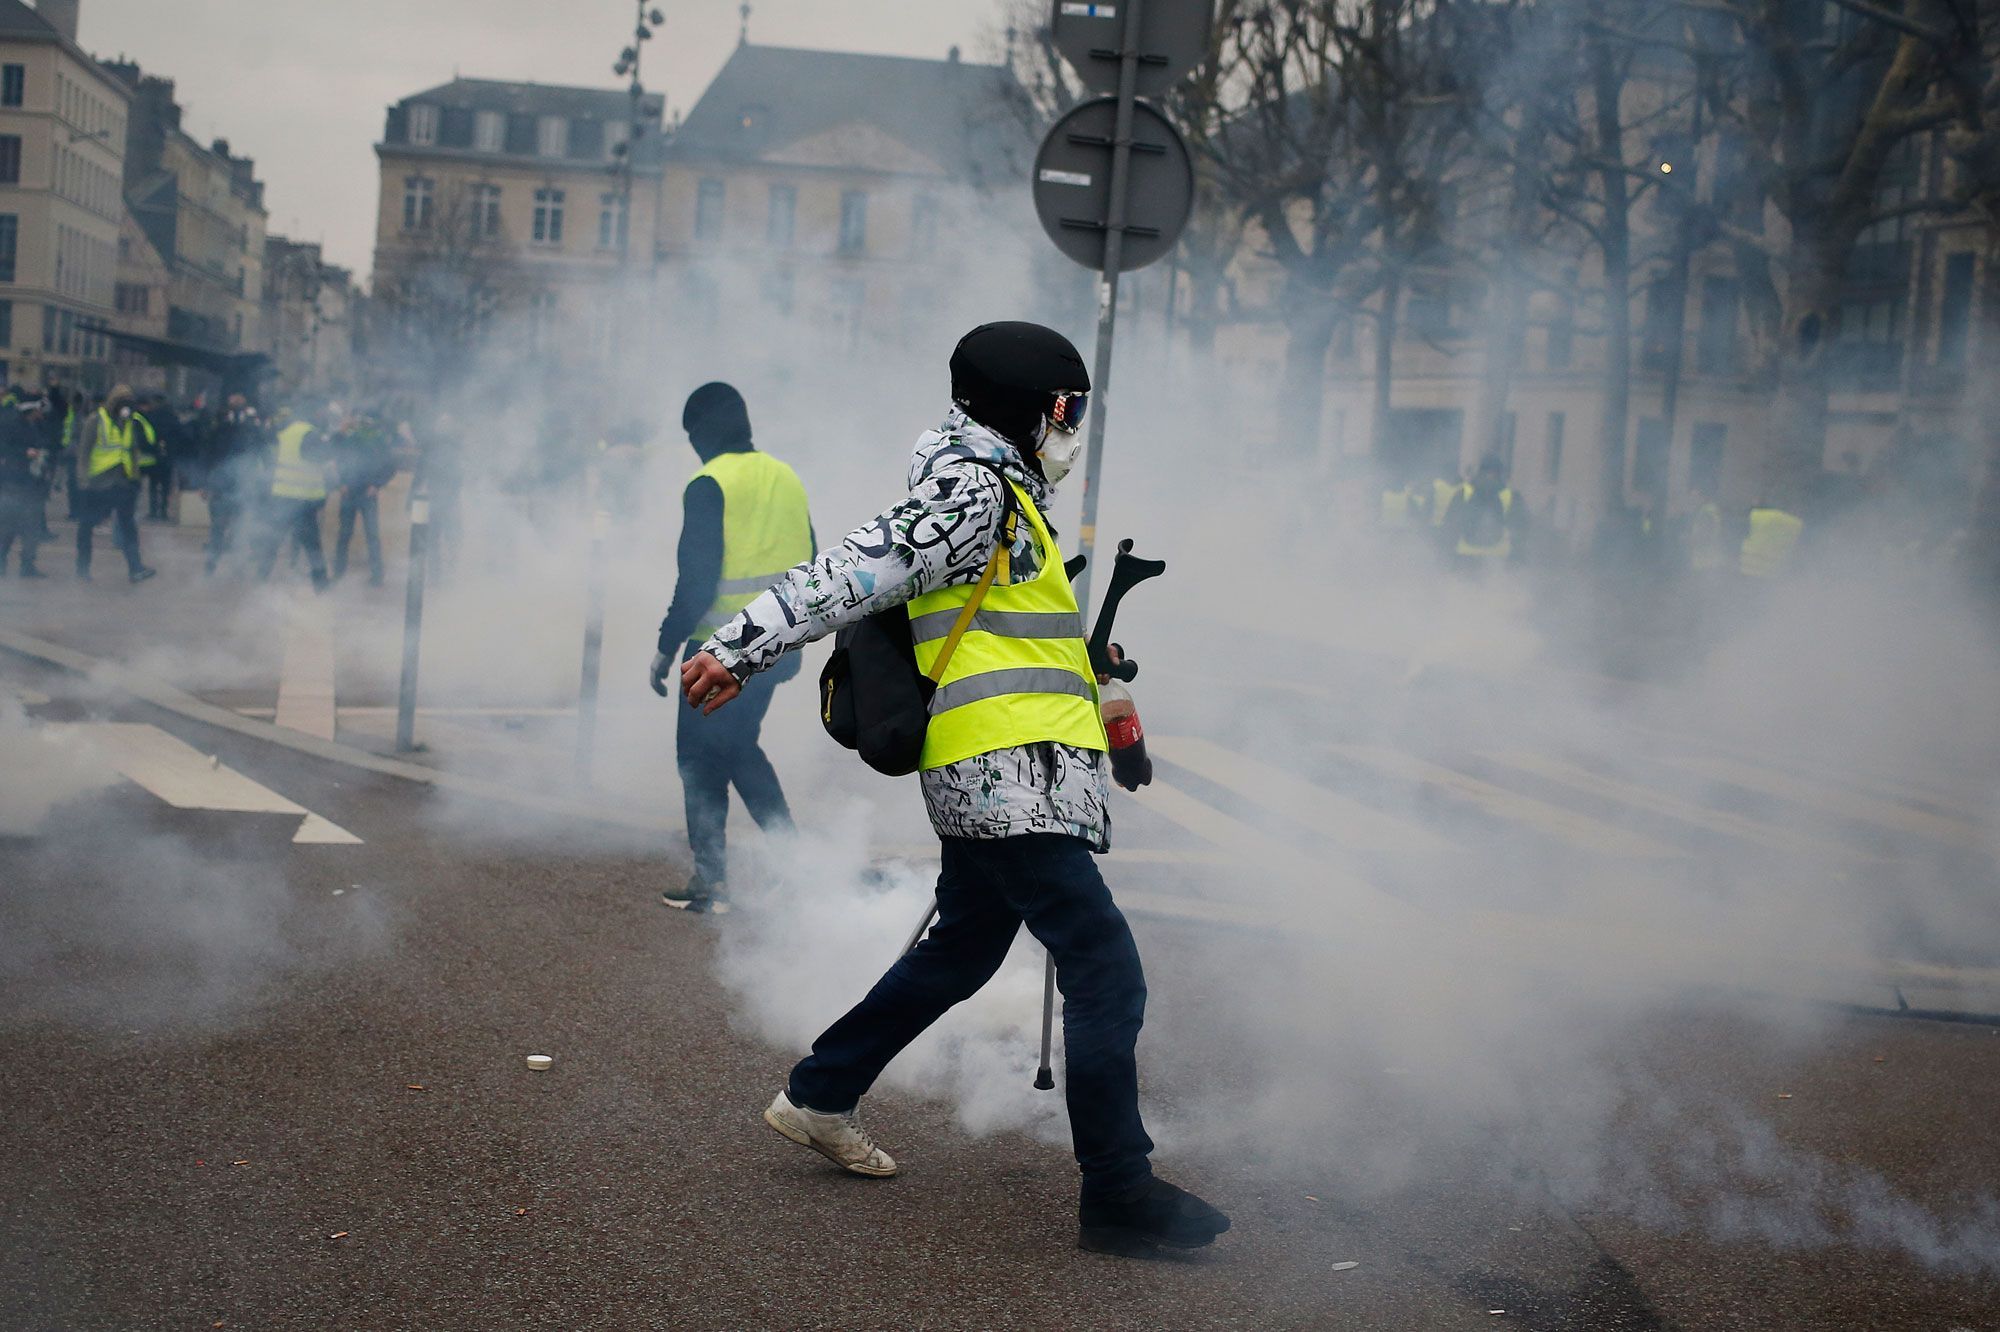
(1500, 549)
(113, 445)
(1768, 545)
(766, 529)
(1021, 674)
(1442, 494)
(295, 478)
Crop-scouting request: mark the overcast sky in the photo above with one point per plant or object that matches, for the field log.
(301, 85)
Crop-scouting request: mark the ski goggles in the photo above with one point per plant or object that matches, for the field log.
(1066, 411)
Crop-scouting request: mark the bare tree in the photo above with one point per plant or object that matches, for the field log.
(440, 296)
(1833, 103)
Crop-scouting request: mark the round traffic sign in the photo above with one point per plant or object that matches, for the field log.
(1073, 184)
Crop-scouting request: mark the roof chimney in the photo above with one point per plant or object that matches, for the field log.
(61, 15)
(952, 55)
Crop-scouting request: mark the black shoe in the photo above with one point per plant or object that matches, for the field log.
(1153, 1217)
(142, 573)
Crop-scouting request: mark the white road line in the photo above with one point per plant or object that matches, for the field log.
(186, 778)
(1579, 830)
(1330, 814)
(1646, 798)
(305, 689)
(1863, 809)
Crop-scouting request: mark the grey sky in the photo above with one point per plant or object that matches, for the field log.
(301, 85)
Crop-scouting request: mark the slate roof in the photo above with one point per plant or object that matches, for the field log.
(962, 116)
(19, 21)
(535, 99)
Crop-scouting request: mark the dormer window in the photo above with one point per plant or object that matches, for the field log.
(552, 136)
(489, 131)
(423, 124)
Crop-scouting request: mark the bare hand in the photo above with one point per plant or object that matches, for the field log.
(707, 683)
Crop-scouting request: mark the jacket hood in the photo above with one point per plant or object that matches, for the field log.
(960, 437)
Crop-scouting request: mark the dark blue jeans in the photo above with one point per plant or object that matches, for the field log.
(985, 892)
(716, 752)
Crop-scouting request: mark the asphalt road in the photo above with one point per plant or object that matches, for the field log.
(255, 1084)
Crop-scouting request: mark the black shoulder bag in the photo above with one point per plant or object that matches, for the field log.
(872, 697)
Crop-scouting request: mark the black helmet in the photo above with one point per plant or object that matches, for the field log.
(1007, 377)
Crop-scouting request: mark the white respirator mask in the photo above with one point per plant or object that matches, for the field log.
(1062, 438)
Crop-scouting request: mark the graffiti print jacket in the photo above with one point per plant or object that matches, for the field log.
(941, 536)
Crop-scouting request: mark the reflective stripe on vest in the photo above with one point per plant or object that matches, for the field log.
(113, 446)
(1021, 674)
(1500, 549)
(766, 530)
(1767, 547)
(294, 477)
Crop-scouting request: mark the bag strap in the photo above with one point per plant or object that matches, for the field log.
(993, 566)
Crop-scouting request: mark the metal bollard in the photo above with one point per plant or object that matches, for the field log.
(413, 625)
(593, 646)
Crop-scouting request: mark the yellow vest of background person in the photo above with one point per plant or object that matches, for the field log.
(1491, 550)
(1021, 673)
(1767, 547)
(1443, 492)
(113, 446)
(295, 478)
(766, 529)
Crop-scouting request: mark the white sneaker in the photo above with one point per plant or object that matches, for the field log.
(839, 1138)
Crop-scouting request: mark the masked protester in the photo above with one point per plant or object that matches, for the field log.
(743, 523)
(111, 453)
(1014, 775)
(23, 458)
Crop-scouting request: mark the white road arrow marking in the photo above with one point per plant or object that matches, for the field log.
(186, 778)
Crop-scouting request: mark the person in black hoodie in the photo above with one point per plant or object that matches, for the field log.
(23, 492)
(744, 523)
(361, 456)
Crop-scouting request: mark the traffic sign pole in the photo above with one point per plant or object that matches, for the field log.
(1107, 309)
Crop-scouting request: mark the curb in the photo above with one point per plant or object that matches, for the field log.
(184, 704)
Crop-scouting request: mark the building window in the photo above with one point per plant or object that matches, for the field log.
(49, 322)
(853, 221)
(485, 212)
(66, 333)
(1705, 458)
(782, 220)
(6, 324)
(489, 131)
(13, 84)
(10, 240)
(1716, 352)
(923, 224)
(611, 221)
(134, 298)
(708, 197)
(423, 124)
(548, 217)
(1955, 313)
(417, 191)
(552, 136)
(10, 159)
(1552, 461)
